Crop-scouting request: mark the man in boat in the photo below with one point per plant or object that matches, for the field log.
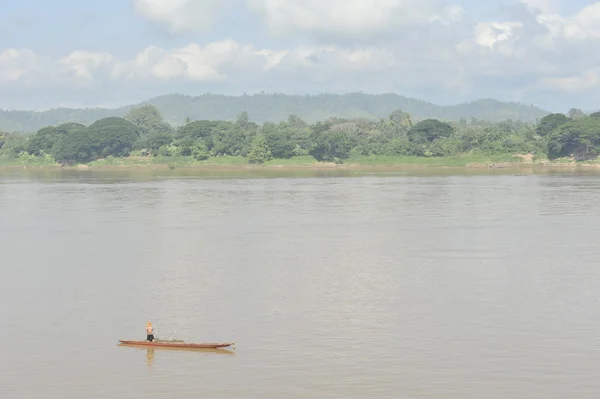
(149, 332)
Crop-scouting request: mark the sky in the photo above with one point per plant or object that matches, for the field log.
(73, 53)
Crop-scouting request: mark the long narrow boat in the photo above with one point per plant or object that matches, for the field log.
(165, 344)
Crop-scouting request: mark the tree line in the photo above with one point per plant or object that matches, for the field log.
(144, 131)
(264, 107)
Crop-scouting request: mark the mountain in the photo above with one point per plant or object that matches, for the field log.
(277, 107)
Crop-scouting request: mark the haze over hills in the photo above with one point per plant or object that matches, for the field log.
(277, 107)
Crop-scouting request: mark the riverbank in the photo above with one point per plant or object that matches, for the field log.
(506, 161)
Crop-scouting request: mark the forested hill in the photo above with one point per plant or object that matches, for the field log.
(277, 107)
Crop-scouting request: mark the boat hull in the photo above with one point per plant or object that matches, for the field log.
(177, 344)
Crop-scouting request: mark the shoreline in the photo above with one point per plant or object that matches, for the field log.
(356, 166)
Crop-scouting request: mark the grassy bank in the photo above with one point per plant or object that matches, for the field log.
(462, 161)
(25, 160)
(451, 161)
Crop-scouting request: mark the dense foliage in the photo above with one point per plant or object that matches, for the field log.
(333, 140)
(579, 138)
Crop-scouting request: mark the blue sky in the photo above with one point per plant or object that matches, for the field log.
(110, 53)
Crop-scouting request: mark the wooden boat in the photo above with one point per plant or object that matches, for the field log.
(167, 340)
(172, 344)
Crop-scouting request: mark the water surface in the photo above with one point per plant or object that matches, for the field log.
(411, 286)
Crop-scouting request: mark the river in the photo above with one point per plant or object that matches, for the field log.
(367, 286)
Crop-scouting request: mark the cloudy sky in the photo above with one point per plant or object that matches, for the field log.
(115, 52)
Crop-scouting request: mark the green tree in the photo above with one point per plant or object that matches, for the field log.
(296, 122)
(168, 150)
(403, 147)
(397, 124)
(550, 122)
(278, 140)
(200, 151)
(155, 140)
(148, 119)
(331, 146)
(230, 139)
(300, 137)
(205, 130)
(400, 119)
(243, 120)
(259, 151)
(407, 121)
(443, 147)
(429, 130)
(113, 136)
(75, 147)
(576, 113)
(44, 140)
(186, 145)
(579, 138)
(13, 144)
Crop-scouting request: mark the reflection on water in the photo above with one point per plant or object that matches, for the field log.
(150, 356)
(150, 352)
(116, 175)
(454, 287)
(220, 351)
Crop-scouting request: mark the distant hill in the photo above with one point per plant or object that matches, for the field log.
(277, 107)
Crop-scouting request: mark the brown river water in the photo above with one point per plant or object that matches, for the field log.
(434, 286)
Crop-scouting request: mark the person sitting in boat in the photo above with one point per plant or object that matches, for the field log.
(149, 331)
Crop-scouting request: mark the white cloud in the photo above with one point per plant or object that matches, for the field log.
(348, 18)
(83, 64)
(422, 48)
(16, 64)
(589, 20)
(357, 19)
(581, 82)
(180, 15)
(489, 33)
(537, 41)
(540, 5)
(450, 14)
(584, 25)
(192, 62)
(221, 62)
